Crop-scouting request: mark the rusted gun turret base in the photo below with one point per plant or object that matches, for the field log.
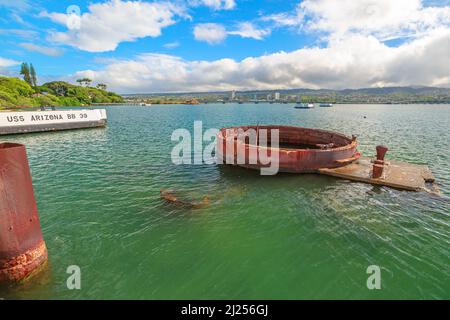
(23, 266)
(396, 174)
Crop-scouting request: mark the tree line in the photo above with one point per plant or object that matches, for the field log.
(87, 82)
(29, 75)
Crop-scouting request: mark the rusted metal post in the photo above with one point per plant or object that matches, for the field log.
(22, 247)
(381, 152)
(378, 165)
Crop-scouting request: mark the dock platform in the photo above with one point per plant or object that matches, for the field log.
(396, 174)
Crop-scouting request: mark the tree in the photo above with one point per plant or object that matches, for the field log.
(33, 76)
(60, 88)
(25, 71)
(102, 86)
(85, 81)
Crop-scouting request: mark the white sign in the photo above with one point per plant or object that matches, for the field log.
(29, 118)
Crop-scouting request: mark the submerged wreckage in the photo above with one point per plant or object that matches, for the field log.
(172, 197)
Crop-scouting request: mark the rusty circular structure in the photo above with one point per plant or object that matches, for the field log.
(22, 248)
(300, 150)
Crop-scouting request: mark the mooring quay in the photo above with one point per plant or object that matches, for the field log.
(54, 120)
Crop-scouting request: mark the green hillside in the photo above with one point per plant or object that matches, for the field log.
(16, 93)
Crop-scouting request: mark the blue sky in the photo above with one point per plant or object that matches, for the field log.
(180, 34)
(196, 45)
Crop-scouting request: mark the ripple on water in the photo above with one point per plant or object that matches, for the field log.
(289, 236)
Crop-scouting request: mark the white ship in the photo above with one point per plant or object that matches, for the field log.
(304, 106)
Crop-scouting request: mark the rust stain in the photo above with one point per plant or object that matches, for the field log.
(21, 266)
(301, 149)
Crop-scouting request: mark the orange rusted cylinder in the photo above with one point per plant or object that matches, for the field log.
(377, 170)
(381, 152)
(378, 164)
(22, 247)
(300, 150)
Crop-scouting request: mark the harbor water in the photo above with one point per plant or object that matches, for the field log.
(261, 237)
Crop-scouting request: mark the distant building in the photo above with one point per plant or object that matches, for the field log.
(269, 97)
(277, 96)
(233, 95)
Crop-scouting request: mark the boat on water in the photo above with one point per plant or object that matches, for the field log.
(300, 149)
(304, 106)
(145, 104)
(325, 105)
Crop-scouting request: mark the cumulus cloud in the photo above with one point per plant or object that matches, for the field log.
(343, 64)
(248, 30)
(215, 4)
(107, 24)
(7, 62)
(48, 51)
(212, 33)
(384, 19)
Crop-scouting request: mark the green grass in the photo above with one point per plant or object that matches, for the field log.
(16, 93)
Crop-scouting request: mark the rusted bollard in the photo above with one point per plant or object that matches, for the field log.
(22, 248)
(378, 165)
(381, 152)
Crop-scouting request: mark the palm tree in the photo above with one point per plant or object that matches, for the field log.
(25, 71)
(33, 76)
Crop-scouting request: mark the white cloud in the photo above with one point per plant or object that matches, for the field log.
(343, 64)
(26, 34)
(48, 51)
(7, 62)
(384, 19)
(20, 5)
(287, 19)
(108, 24)
(211, 33)
(215, 4)
(214, 33)
(171, 45)
(248, 30)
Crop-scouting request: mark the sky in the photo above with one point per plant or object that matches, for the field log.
(221, 45)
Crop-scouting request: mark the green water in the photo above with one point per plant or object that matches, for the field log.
(282, 237)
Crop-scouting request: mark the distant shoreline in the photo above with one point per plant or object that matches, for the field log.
(387, 95)
(284, 102)
(246, 103)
